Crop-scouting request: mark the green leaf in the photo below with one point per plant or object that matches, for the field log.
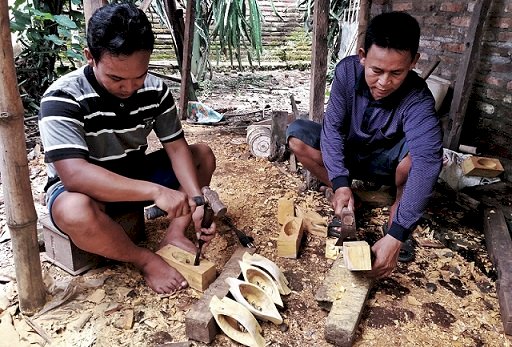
(55, 39)
(65, 21)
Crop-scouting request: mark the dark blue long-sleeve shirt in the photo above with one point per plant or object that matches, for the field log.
(409, 112)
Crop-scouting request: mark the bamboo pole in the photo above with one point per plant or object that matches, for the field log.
(20, 212)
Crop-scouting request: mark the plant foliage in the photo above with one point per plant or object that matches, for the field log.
(50, 35)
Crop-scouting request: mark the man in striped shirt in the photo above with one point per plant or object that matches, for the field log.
(380, 125)
(94, 124)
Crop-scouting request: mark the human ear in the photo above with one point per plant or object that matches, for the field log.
(88, 57)
(362, 55)
(414, 61)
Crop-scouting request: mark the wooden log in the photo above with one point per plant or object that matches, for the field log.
(357, 255)
(20, 213)
(285, 209)
(344, 294)
(499, 244)
(199, 322)
(290, 237)
(198, 277)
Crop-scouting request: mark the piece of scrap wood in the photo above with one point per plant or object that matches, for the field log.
(331, 250)
(314, 223)
(499, 244)
(199, 322)
(344, 294)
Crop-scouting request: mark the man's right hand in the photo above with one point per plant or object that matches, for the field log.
(343, 197)
(174, 202)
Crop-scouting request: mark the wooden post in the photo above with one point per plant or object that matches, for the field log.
(465, 75)
(90, 6)
(19, 204)
(319, 61)
(364, 15)
(186, 80)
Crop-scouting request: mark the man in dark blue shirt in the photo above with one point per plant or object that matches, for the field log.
(380, 125)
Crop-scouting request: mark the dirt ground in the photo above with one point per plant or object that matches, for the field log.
(445, 297)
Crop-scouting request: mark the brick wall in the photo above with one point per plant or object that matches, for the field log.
(488, 122)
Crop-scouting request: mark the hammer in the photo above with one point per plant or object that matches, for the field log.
(212, 207)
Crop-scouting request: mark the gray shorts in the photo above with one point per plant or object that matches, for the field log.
(159, 170)
(378, 166)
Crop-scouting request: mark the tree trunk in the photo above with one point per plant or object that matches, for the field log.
(19, 205)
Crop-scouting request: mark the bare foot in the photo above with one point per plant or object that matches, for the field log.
(159, 276)
(179, 240)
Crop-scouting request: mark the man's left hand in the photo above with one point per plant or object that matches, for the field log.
(206, 234)
(386, 252)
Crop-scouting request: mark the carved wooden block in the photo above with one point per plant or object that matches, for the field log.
(357, 255)
(285, 210)
(198, 277)
(290, 237)
(481, 166)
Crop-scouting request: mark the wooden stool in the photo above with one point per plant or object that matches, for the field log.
(61, 251)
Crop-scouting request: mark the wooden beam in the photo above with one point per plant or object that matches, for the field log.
(319, 61)
(199, 322)
(499, 244)
(90, 6)
(465, 75)
(364, 16)
(344, 294)
(186, 80)
(20, 212)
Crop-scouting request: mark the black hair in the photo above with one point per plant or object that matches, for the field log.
(396, 30)
(119, 29)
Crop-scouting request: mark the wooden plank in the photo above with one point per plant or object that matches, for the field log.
(199, 322)
(319, 60)
(499, 244)
(198, 277)
(465, 74)
(344, 294)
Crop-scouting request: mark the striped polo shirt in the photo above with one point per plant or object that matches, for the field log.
(356, 123)
(79, 119)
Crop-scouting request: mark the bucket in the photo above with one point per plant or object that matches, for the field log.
(258, 138)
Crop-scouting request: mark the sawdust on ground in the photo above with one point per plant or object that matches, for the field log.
(446, 297)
